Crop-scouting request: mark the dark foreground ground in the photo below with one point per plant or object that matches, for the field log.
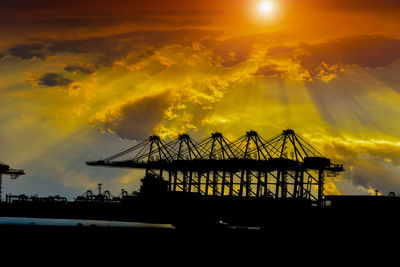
(364, 229)
(136, 242)
(21, 236)
(115, 235)
(72, 245)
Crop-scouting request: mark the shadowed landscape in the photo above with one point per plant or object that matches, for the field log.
(229, 121)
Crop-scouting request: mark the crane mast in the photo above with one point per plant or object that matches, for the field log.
(7, 170)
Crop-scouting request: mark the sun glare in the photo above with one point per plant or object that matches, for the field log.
(266, 7)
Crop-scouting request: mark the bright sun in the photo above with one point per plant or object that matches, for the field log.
(266, 7)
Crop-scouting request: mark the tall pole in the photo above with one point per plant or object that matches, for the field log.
(258, 184)
(320, 186)
(277, 184)
(283, 184)
(223, 184)
(100, 188)
(301, 184)
(296, 182)
(231, 184)
(1, 187)
(207, 182)
(266, 184)
(199, 174)
(169, 180)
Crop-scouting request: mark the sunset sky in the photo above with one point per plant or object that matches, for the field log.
(82, 79)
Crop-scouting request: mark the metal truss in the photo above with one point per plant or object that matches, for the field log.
(285, 166)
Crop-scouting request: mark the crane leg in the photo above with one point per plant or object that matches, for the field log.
(1, 187)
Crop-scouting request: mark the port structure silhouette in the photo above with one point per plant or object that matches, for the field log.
(252, 181)
(285, 166)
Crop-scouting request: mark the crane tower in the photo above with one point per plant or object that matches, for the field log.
(7, 170)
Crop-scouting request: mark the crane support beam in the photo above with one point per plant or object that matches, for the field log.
(250, 166)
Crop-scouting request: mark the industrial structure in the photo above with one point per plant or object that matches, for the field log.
(102, 196)
(285, 166)
(274, 183)
(5, 169)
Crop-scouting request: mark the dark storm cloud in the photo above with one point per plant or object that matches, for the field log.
(137, 119)
(370, 51)
(113, 47)
(269, 71)
(28, 51)
(79, 68)
(236, 50)
(52, 79)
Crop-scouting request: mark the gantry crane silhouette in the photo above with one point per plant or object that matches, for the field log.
(285, 166)
(7, 170)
